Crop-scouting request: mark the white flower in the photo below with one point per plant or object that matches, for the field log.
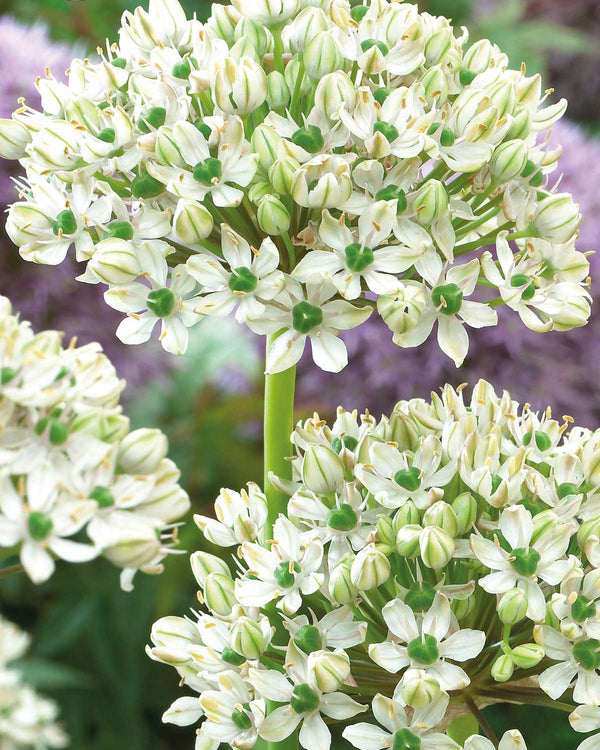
(511, 740)
(527, 562)
(250, 277)
(240, 516)
(586, 719)
(232, 714)
(431, 643)
(336, 630)
(172, 301)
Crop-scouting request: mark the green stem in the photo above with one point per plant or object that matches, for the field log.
(278, 48)
(278, 427)
(290, 250)
(11, 571)
(481, 720)
(297, 89)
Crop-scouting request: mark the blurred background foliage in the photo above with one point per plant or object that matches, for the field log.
(88, 635)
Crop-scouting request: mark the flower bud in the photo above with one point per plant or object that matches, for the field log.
(321, 56)
(268, 12)
(281, 175)
(115, 262)
(13, 139)
(386, 534)
(278, 92)
(166, 149)
(370, 568)
(437, 547)
(56, 146)
(256, 34)
(328, 670)
(292, 74)
(142, 451)
(306, 26)
(465, 508)
(430, 202)
(508, 160)
(521, 125)
(407, 514)
(556, 218)
(322, 469)
(265, 141)
(588, 529)
(259, 190)
(478, 57)
(402, 311)
(512, 607)
(192, 222)
(247, 638)
(419, 688)
(463, 607)
(407, 540)
(503, 668)
(219, 593)
(223, 21)
(341, 588)
(438, 46)
(334, 91)
(442, 515)
(273, 217)
(528, 655)
(26, 222)
(239, 88)
(132, 544)
(435, 85)
(204, 564)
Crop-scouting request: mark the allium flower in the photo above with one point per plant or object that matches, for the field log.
(27, 719)
(447, 595)
(279, 121)
(69, 462)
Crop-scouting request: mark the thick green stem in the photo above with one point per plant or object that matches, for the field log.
(278, 426)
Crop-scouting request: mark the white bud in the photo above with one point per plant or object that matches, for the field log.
(13, 139)
(219, 593)
(223, 21)
(438, 46)
(115, 261)
(192, 222)
(328, 670)
(26, 222)
(512, 607)
(419, 688)
(247, 638)
(402, 311)
(442, 515)
(370, 568)
(142, 451)
(204, 564)
(557, 218)
(321, 56)
(133, 542)
(305, 27)
(407, 540)
(341, 588)
(430, 202)
(334, 91)
(437, 547)
(166, 150)
(239, 88)
(256, 34)
(273, 217)
(527, 655)
(268, 12)
(503, 668)
(265, 141)
(322, 469)
(435, 85)
(278, 92)
(509, 160)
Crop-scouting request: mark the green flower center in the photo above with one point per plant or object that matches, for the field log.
(404, 739)
(358, 258)
(519, 279)
(409, 479)
(346, 442)
(343, 518)
(305, 317)
(58, 432)
(542, 440)
(308, 638)
(447, 137)
(390, 132)
(229, 656)
(582, 608)
(466, 76)
(285, 576)
(40, 526)
(424, 649)
(121, 229)
(240, 717)
(381, 94)
(65, 223)
(8, 373)
(309, 138)
(393, 193)
(587, 653)
(208, 171)
(420, 596)
(146, 186)
(103, 496)
(152, 119)
(181, 69)
(203, 128)
(565, 489)
(448, 298)
(358, 12)
(367, 44)
(304, 699)
(242, 280)
(526, 560)
(107, 135)
(161, 302)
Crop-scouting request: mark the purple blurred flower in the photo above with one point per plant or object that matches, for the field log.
(561, 369)
(49, 296)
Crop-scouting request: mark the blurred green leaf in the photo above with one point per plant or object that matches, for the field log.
(48, 675)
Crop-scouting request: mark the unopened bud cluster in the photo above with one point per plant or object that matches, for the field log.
(75, 482)
(452, 546)
(302, 163)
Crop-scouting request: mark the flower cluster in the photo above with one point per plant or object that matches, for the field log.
(301, 162)
(452, 545)
(69, 464)
(27, 720)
